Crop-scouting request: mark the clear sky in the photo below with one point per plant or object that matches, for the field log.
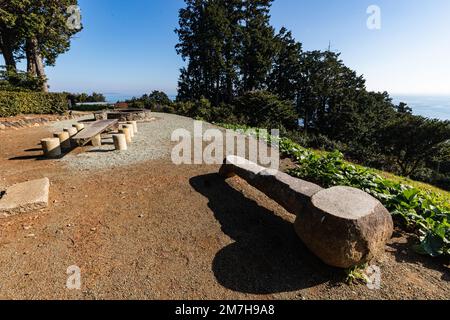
(127, 47)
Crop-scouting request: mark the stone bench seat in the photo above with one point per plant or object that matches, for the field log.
(94, 130)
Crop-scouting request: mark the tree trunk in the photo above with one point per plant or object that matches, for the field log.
(41, 72)
(31, 65)
(35, 62)
(8, 53)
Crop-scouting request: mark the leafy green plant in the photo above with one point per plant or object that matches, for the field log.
(356, 275)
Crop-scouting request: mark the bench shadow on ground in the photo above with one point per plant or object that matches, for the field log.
(267, 256)
(40, 156)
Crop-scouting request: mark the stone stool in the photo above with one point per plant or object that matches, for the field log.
(51, 147)
(120, 142)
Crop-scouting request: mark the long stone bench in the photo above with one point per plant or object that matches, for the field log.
(343, 226)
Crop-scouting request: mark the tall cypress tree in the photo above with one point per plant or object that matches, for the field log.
(285, 76)
(189, 47)
(208, 33)
(258, 45)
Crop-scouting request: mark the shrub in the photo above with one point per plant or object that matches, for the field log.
(264, 109)
(14, 103)
(85, 98)
(200, 109)
(315, 141)
(90, 107)
(19, 81)
(224, 113)
(156, 101)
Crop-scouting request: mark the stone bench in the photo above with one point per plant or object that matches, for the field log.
(93, 132)
(343, 226)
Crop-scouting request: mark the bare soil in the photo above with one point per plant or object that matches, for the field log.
(159, 231)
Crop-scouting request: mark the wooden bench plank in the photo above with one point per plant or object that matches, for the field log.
(94, 129)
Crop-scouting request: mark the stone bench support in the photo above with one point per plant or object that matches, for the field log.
(97, 141)
(135, 127)
(71, 131)
(51, 147)
(126, 131)
(79, 126)
(64, 139)
(120, 142)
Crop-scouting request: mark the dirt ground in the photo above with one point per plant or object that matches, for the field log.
(160, 231)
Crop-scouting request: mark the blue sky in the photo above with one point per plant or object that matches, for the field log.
(127, 47)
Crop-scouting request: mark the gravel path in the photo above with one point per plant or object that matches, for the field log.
(153, 142)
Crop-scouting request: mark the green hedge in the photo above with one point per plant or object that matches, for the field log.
(14, 103)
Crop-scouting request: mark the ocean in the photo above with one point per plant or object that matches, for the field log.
(115, 97)
(435, 107)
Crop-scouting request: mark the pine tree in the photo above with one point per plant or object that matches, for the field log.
(285, 76)
(258, 45)
(208, 35)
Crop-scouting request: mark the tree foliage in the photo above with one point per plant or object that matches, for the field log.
(411, 140)
(36, 30)
(157, 100)
(249, 73)
(264, 109)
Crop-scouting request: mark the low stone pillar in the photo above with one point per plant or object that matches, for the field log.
(51, 147)
(97, 141)
(135, 127)
(120, 142)
(127, 133)
(71, 131)
(64, 139)
(131, 128)
(343, 226)
(78, 126)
